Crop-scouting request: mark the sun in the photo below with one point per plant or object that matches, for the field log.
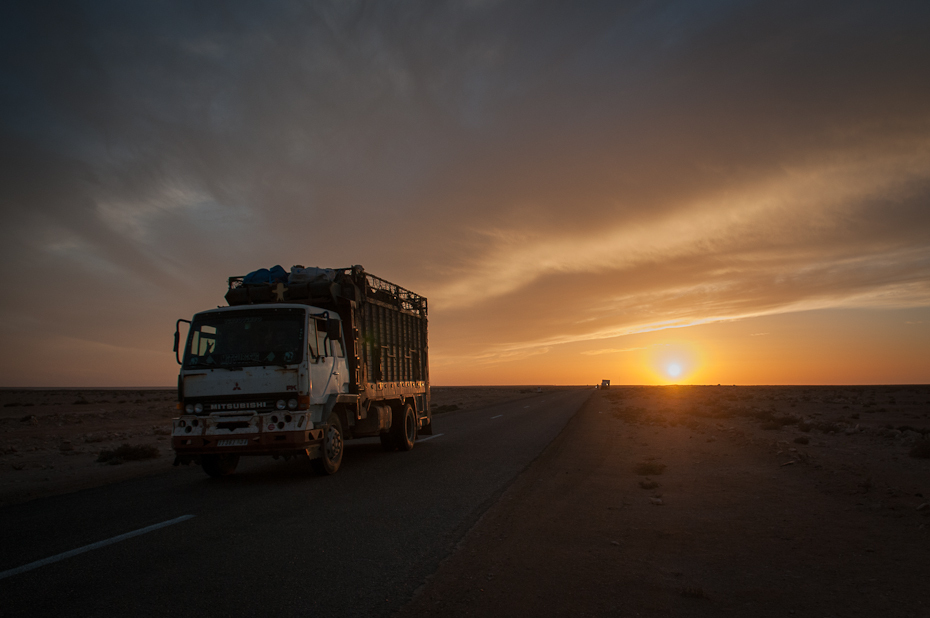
(675, 362)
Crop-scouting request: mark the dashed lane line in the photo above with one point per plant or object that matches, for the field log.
(498, 416)
(97, 545)
(430, 437)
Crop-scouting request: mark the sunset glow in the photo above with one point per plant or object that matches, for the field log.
(680, 193)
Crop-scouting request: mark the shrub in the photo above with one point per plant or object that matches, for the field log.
(827, 427)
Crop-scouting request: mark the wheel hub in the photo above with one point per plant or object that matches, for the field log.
(333, 444)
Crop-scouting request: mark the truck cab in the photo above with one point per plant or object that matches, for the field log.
(257, 378)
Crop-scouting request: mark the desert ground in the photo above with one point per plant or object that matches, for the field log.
(652, 501)
(51, 439)
(710, 501)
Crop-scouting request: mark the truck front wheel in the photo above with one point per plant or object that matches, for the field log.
(219, 465)
(333, 447)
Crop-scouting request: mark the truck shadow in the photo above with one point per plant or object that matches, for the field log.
(265, 471)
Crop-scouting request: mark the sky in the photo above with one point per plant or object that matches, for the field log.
(646, 192)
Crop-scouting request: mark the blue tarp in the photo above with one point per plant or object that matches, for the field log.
(275, 274)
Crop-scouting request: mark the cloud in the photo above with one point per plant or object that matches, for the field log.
(610, 351)
(545, 173)
(802, 216)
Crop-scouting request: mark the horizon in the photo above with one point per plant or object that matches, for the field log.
(691, 193)
(590, 386)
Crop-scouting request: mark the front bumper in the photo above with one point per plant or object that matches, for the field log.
(249, 444)
(256, 434)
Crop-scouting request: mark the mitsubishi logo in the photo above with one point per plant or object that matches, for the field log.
(236, 387)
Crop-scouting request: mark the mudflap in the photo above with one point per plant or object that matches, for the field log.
(314, 451)
(426, 429)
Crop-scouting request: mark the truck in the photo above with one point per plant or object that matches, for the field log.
(297, 364)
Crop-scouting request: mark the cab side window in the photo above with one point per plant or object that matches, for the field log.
(203, 341)
(321, 338)
(312, 338)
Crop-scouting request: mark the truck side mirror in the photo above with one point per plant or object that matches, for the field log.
(177, 338)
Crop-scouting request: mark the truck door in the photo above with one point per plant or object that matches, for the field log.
(340, 366)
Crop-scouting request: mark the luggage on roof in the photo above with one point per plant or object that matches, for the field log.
(300, 275)
(262, 276)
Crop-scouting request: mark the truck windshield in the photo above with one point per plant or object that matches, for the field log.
(246, 339)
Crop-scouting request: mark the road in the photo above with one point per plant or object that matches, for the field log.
(274, 539)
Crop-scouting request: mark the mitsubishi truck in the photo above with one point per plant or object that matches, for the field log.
(297, 364)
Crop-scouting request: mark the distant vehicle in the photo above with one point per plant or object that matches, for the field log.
(605, 384)
(297, 364)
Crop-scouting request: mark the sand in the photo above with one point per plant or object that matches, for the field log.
(709, 501)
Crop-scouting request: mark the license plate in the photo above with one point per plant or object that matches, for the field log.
(243, 442)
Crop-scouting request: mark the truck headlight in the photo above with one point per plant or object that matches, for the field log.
(189, 408)
(280, 405)
(292, 404)
(198, 408)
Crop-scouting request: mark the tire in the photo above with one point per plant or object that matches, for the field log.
(404, 427)
(333, 447)
(219, 465)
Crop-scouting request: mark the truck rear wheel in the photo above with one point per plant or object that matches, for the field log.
(405, 428)
(333, 447)
(219, 465)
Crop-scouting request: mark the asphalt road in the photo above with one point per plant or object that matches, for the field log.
(274, 539)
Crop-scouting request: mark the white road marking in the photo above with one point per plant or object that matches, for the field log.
(524, 407)
(498, 416)
(430, 437)
(97, 545)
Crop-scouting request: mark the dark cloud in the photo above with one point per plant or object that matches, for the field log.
(646, 161)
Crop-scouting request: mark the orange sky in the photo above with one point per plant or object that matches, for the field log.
(836, 346)
(582, 192)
